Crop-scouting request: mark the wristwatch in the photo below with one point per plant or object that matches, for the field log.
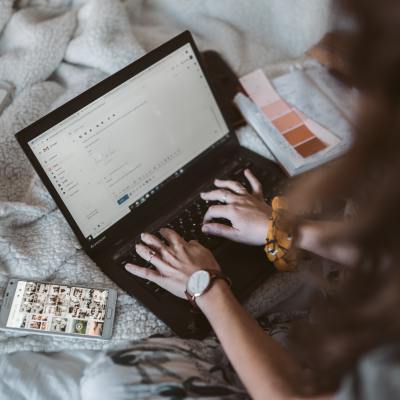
(200, 282)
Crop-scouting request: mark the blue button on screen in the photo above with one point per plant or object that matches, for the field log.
(123, 198)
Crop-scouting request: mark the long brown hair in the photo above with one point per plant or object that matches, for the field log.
(362, 313)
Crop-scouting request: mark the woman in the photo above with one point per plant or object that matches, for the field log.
(351, 347)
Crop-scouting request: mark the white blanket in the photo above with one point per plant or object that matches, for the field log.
(51, 50)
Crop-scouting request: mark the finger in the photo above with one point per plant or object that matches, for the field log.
(145, 273)
(224, 196)
(173, 238)
(153, 258)
(218, 212)
(236, 187)
(254, 183)
(152, 241)
(221, 230)
(155, 243)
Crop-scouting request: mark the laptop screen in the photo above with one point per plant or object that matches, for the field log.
(113, 154)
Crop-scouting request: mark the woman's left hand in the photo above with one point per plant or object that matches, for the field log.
(174, 262)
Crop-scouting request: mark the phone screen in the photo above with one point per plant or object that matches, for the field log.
(57, 308)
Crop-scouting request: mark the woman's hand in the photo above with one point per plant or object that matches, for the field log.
(174, 262)
(247, 213)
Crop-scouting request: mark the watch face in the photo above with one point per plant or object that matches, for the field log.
(198, 282)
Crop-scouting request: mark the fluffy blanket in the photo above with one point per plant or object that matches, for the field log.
(50, 51)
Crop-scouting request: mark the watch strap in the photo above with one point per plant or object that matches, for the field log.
(214, 275)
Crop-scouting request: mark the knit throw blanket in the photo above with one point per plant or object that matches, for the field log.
(50, 51)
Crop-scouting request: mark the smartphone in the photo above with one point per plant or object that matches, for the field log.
(58, 309)
(226, 84)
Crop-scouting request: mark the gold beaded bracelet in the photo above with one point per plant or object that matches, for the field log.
(279, 246)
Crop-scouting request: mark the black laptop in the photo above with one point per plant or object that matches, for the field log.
(132, 154)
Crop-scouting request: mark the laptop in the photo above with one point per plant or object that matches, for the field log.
(132, 154)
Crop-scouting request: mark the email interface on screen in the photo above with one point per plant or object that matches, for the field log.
(111, 155)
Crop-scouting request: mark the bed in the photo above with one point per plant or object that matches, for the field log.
(50, 51)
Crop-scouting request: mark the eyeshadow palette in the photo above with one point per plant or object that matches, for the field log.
(297, 141)
(286, 119)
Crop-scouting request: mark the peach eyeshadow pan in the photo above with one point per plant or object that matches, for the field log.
(287, 121)
(276, 109)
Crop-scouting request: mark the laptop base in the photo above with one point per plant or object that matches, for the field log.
(247, 266)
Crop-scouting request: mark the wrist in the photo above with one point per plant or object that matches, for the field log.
(307, 237)
(218, 290)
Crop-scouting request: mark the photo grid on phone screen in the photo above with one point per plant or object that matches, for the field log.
(58, 308)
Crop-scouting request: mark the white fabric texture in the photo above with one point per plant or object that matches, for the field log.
(51, 50)
(40, 376)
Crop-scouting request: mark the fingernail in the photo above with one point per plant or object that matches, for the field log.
(128, 267)
(141, 235)
(204, 228)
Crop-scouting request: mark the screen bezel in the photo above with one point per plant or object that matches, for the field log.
(58, 115)
(9, 298)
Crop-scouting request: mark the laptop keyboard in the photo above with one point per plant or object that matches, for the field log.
(189, 220)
